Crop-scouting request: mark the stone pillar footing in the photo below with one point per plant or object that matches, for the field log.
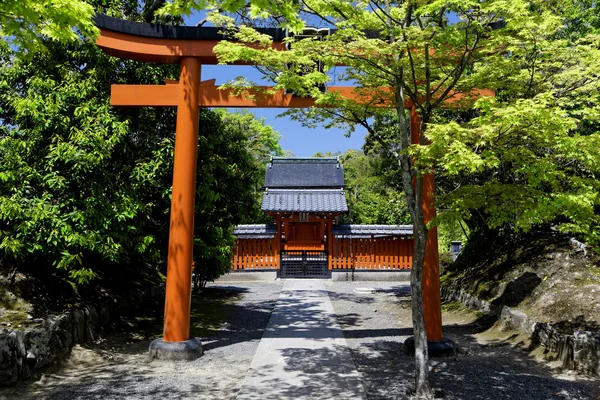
(438, 348)
(187, 350)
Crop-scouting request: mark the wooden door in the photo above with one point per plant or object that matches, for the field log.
(305, 236)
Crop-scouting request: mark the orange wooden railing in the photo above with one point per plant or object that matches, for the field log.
(255, 254)
(381, 253)
(371, 253)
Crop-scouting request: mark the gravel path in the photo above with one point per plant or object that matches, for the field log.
(374, 325)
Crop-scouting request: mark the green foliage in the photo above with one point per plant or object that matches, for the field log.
(449, 231)
(263, 139)
(85, 187)
(60, 196)
(529, 157)
(231, 158)
(371, 199)
(411, 53)
(580, 16)
(22, 22)
(532, 156)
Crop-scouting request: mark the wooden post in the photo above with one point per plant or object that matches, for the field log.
(386, 241)
(261, 253)
(377, 252)
(277, 242)
(431, 267)
(330, 242)
(234, 260)
(397, 260)
(181, 234)
(404, 253)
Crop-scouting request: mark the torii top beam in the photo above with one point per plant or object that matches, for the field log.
(165, 43)
(170, 44)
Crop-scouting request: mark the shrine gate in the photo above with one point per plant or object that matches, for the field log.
(191, 47)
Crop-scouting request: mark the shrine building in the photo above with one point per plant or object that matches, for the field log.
(306, 198)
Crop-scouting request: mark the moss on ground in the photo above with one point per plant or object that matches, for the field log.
(13, 310)
(460, 308)
(451, 306)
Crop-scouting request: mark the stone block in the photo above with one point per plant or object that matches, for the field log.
(91, 323)
(249, 276)
(105, 314)
(177, 351)
(371, 276)
(78, 317)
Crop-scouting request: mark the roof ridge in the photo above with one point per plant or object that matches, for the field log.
(253, 225)
(305, 160)
(288, 189)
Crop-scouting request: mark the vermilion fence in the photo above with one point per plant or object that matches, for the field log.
(255, 254)
(380, 253)
(371, 253)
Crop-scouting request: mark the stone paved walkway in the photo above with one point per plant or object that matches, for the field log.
(303, 353)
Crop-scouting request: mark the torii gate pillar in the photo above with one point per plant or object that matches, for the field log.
(179, 264)
(176, 342)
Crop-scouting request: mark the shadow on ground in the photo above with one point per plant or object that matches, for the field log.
(320, 373)
(374, 327)
(494, 371)
(117, 365)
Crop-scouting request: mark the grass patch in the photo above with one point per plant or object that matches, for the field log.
(587, 281)
(458, 307)
(143, 327)
(453, 306)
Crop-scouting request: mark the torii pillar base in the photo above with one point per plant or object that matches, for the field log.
(187, 350)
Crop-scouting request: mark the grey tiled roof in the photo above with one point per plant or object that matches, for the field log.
(260, 231)
(374, 230)
(299, 200)
(304, 173)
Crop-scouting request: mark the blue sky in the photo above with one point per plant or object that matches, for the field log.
(301, 141)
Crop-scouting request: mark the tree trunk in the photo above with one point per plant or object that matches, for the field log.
(150, 9)
(422, 388)
(414, 201)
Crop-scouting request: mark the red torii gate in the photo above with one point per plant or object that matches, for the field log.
(191, 47)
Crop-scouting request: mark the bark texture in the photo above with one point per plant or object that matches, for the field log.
(414, 199)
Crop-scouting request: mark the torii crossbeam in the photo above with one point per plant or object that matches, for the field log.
(191, 47)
